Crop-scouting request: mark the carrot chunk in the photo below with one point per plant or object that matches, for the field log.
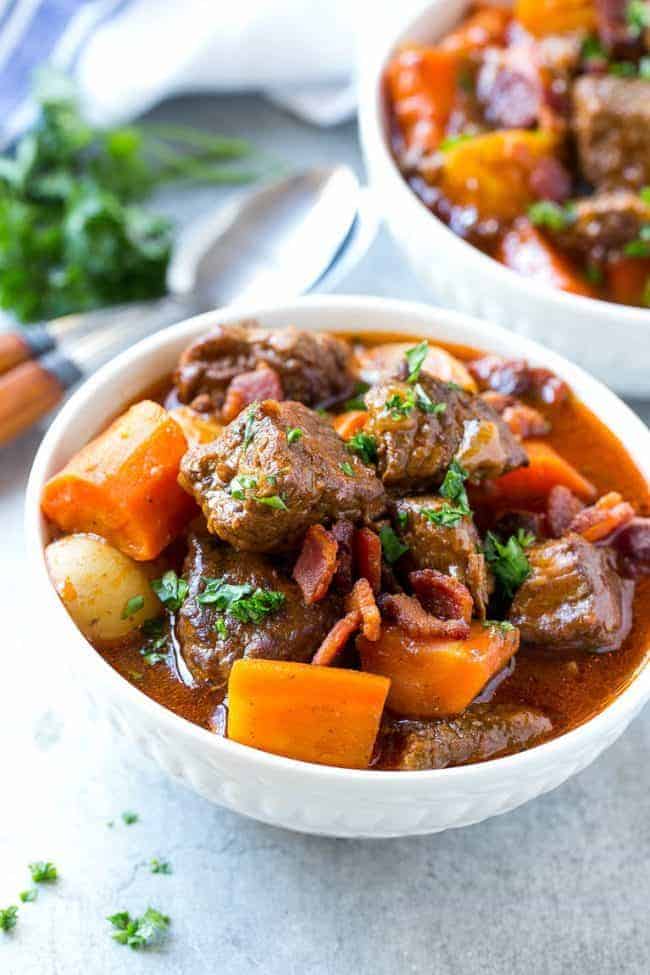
(316, 564)
(314, 714)
(422, 84)
(628, 280)
(433, 677)
(543, 17)
(485, 27)
(525, 250)
(347, 424)
(123, 484)
(546, 469)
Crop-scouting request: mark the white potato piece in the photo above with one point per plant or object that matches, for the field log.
(197, 427)
(373, 365)
(96, 581)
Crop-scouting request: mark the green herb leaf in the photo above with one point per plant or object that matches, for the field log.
(357, 402)
(453, 486)
(140, 931)
(623, 69)
(594, 274)
(392, 547)
(637, 15)
(414, 359)
(160, 866)
(502, 625)
(644, 68)
(402, 519)
(640, 247)
(644, 193)
(545, 213)
(592, 49)
(221, 627)
(347, 469)
(447, 515)
(273, 501)
(8, 917)
(240, 484)
(132, 606)
(241, 601)
(426, 404)
(508, 560)
(249, 429)
(43, 872)
(645, 297)
(171, 590)
(27, 896)
(364, 445)
(398, 406)
(129, 817)
(294, 435)
(451, 141)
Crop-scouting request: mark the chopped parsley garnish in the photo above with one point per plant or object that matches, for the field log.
(293, 435)
(139, 931)
(645, 297)
(240, 485)
(43, 872)
(160, 866)
(171, 590)
(502, 625)
(644, 193)
(273, 501)
(592, 49)
(451, 141)
(249, 429)
(129, 817)
(644, 68)
(132, 606)
(8, 917)
(426, 404)
(637, 15)
(391, 545)
(508, 560)
(399, 406)
(364, 445)
(454, 386)
(453, 486)
(465, 82)
(640, 247)
(241, 601)
(221, 626)
(545, 213)
(594, 274)
(357, 402)
(414, 359)
(154, 629)
(347, 469)
(447, 515)
(402, 519)
(622, 69)
(27, 896)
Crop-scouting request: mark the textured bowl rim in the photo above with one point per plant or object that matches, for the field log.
(379, 157)
(484, 335)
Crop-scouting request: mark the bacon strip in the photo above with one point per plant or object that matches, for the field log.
(633, 545)
(343, 532)
(362, 600)
(250, 387)
(562, 506)
(523, 420)
(603, 518)
(336, 639)
(514, 377)
(411, 616)
(442, 596)
(367, 557)
(316, 564)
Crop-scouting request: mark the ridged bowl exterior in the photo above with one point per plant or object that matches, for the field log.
(298, 796)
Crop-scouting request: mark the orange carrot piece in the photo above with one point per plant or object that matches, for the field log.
(123, 484)
(347, 424)
(525, 250)
(543, 17)
(362, 599)
(422, 86)
(314, 714)
(336, 639)
(484, 28)
(628, 280)
(434, 677)
(546, 469)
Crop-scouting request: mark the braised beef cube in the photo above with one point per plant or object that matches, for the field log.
(573, 598)
(481, 732)
(611, 121)
(510, 88)
(312, 366)
(260, 489)
(604, 223)
(439, 539)
(211, 639)
(420, 428)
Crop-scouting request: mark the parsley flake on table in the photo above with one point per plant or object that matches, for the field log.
(160, 866)
(508, 560)
(364, 445)
(132, 606)
(171, 590)
(43, 872)
(129, 817)
(139, 932)
(8, 917)
(27, 896)
(391, 545)
(414, 360)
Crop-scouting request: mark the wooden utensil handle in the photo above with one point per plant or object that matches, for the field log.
(32, 389)
(17, 347)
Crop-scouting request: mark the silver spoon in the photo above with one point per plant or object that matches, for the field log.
(275, 242)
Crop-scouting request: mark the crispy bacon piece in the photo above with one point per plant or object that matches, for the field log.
(343, 533)
(411, 616)
(316, 564)
(367, 557)
(632, 542)
(441, 595)
(250, 387)
(603, 518)
(550, 180)
(362, 600)
(515, 377)
(336, 639)
(523, 420)
(562, 506)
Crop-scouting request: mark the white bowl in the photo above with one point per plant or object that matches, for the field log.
(609, 340)
(314, 798)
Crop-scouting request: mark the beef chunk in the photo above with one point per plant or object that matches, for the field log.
(420, 429)
(611, 120)
(573, 599)
(312, 366)
(453, 549)
(604, 223)
(481, 732)
(261, 493)
(293, 632)
(510, 88)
